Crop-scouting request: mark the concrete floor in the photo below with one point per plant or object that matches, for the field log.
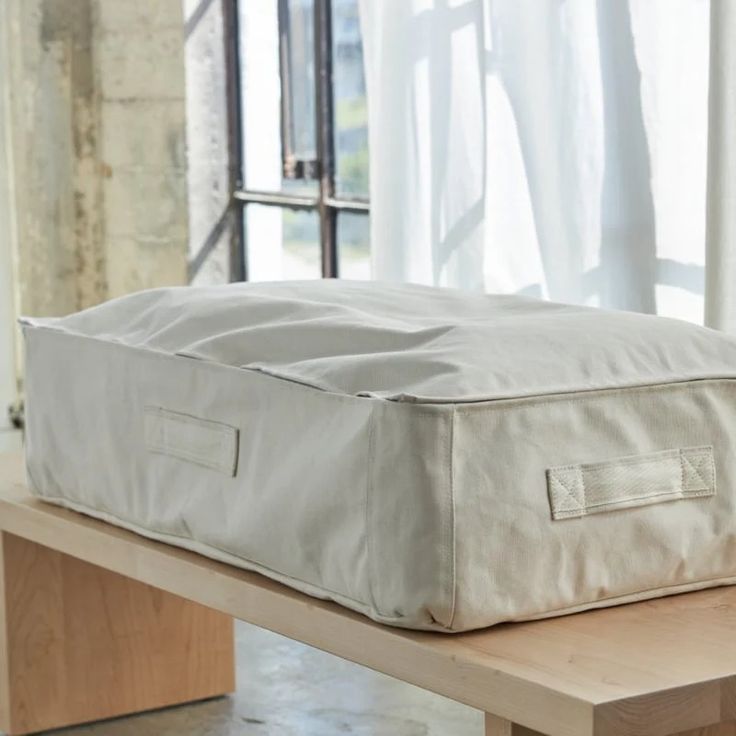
(10, 439)
(289, 689)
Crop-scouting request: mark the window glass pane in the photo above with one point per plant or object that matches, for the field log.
(281, 243)
(353, 239)
(351, 113)
(260, 77)
(297, 35)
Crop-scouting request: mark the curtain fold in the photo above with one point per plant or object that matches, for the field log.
(557, 148)
(720, 292)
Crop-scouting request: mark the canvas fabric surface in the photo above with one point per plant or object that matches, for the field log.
(431, 458)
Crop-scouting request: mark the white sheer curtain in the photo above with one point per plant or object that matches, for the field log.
(720, 288)
(557, 148)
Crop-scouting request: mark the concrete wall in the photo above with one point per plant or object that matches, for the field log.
(139, 61)
(207, 138)
(8, 361)
(97, 128)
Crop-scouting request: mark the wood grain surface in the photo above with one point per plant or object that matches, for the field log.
(658, 667)
(81, 643)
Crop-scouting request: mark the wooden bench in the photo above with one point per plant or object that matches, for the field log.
(97, 622)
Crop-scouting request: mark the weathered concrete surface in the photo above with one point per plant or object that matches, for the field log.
(207, 142)
(51, 119)
(97, 116)
(8, 307)
(139, 55)
(288, 689)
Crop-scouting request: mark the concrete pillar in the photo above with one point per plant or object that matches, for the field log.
(96, 113)
(9, 439)
(207, 142)
(139, 61)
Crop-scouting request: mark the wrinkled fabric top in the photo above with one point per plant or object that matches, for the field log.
(409, 342)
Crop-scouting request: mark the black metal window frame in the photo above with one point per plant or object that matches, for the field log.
(326, 202)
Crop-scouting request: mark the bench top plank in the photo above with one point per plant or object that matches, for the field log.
(655, 667)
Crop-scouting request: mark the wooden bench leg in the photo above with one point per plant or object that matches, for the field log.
(79, 643)
(496, 726)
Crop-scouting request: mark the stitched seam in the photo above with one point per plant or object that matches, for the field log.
(675, 492)
(700, 451)
(453, 530)
(188, 419)
(692, 458)
(196, 459)
(656, 492)
(695, 457)
(675, 495)
(159, 444)
(682, 470)
(570, 396)
(146, 355)
(625, 462)
(626, 597)
(688, 385)
(712, 463)
(169, 450)
(582, 485)
(368, 510)
(558, 482)
(149, 353)
(125, 523)
(696, 470)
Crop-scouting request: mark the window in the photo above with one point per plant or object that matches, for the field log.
(298, 139)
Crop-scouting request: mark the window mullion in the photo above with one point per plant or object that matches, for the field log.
(238, 260)
(325, 139)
